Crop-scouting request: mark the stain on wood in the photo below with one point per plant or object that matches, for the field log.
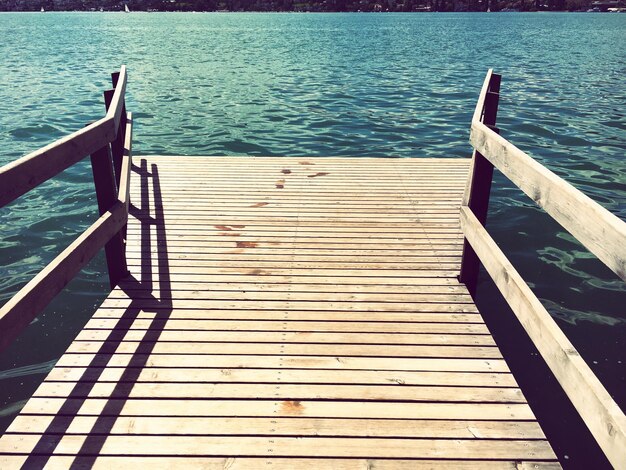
(257, 272)
(321, 173)
(280, 184)
(285, 171)
(260, 204)
(246, 244)
(292, 407)
(226, 228)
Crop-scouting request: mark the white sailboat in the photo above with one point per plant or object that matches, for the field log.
(42, 10)
(126, 10)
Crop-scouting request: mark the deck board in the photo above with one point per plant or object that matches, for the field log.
(290, 313)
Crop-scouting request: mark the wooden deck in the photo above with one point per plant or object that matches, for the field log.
(285, 313)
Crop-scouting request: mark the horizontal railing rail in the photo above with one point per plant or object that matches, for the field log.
(108, 141)
(24, 174)
(596, 228)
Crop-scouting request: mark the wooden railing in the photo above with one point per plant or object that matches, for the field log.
(596, 228)
(108, 141)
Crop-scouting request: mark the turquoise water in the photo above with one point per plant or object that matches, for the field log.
(317, 85)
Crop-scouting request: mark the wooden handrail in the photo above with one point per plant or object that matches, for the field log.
(117, 103)
(595, 227)
(24, 306)
(600, 231)
(24, 174)
(108, 231)
(480, 104)
(20, 176)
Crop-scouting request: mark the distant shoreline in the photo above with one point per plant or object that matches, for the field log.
(301, 11)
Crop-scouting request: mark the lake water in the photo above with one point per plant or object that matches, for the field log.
(400, 85)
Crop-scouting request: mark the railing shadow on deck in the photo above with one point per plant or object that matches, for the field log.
(120, 394)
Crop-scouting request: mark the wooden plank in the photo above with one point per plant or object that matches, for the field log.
(193, 426)
(438, 336)
(295, 392)
(429, 199)
(252, 262)
(220, 219)
(239, 463)
(410, 275)
(277, 408)
(382, 185)
(321, 175)
(287, 446)
(247, 284)
(188, 185)
(343, 161)
(299, 247)
(182, 231)
(262, 277)
(199, 255)
(249, 252)
(284, 325)
(322, 376)
(289, 349)
(209, 212)
(299, 315)
(288, 362)
(177, 234)
(325, 223)
(266, 205)
(286, 305)
(599, 411)
(296, 296)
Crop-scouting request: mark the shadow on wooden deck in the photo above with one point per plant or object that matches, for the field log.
(101, 429)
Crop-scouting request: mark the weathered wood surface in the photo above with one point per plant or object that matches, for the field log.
(285, 313)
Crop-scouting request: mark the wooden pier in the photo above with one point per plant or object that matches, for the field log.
(292, 313)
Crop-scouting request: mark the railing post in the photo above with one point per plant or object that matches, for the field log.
(106, 194)
(117, 146)
(106, 164)
(477, 192)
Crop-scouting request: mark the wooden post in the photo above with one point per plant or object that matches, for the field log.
(479, 187)
(117, 145)
(106, 164)
(106, 193)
